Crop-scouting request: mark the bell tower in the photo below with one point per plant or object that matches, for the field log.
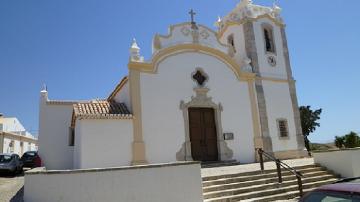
(256, 34)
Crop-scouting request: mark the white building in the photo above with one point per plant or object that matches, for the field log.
(14, 138)
(204, 95)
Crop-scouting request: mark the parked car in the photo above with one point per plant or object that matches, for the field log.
(10, 163)
(346, 190)
(31, 159)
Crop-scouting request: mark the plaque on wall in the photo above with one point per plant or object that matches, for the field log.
(228, 136)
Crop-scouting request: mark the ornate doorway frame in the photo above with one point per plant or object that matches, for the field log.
(201, 100)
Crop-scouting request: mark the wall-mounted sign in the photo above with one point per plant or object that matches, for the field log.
(228, 136)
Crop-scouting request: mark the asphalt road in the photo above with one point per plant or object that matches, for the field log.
(11, 188)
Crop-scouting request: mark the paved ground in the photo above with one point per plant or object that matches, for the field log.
(252, 167)
(11, 188)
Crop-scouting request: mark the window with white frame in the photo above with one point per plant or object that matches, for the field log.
(283, 128)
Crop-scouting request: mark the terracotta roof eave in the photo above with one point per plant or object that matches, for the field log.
(104, 116)
(65, 102)
(118, 88)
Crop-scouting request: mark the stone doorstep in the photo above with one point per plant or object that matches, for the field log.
(256, 172)
(266, 172)
(268, 178)
(265, 193)
(240, 188)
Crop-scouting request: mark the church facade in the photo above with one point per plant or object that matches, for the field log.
(204, 95)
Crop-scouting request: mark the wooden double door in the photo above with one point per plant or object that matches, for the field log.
(203, 135)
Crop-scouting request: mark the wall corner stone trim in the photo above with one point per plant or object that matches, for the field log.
(250, 46)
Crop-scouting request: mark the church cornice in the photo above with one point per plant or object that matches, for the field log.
(151, 67)
(229, 23)
(184, 33)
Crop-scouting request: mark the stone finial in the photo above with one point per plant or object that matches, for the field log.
(135, 51)
(44, 93)
(244, 3)
(44, 89)
(218, 22)
(276, 9)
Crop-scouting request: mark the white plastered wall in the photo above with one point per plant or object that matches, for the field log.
(163, 120)
(16, 146)
(164, 183)
(27, 146)
(239, 40)
(279, 106)
(344, 162)
(12, 125)
(54, 149)
(101, 143)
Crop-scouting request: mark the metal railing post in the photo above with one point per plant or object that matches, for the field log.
(261, 159)
(280, 164)
(278, 168)
(298, 176)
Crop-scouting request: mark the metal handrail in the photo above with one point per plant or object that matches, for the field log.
(280, 164)
(284, 165)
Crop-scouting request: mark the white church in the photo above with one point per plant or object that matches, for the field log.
(204, 95)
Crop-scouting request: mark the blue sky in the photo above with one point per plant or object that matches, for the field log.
(79, 48)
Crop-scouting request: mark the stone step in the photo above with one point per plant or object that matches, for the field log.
(257, 172)
(287, 196)
(265, 178)
(242, 187)
(219, 164)
(268, 192)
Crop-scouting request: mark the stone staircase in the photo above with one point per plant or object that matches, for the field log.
(263, 186)
(219, 164)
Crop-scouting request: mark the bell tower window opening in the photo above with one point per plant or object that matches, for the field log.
(269, 40)
(231, 42)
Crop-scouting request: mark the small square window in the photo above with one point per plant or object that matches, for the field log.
(283, 128)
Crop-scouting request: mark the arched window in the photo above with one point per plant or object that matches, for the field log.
(231, 42)
(269, 40)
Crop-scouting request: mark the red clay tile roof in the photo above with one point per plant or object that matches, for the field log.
(101, 107)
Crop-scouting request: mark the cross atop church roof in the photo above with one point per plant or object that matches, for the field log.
(192, 14)
(193, 23)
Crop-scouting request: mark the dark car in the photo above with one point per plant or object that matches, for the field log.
(346, 190)
(10, 163)
(29, 159)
